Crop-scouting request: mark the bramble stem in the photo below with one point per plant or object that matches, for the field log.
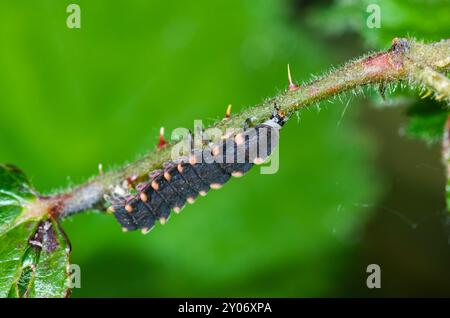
(405, 60)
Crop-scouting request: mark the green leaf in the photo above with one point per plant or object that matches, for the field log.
(37, 267)
(15, 196)
(13, 247)
(34, 252)
(52, 275)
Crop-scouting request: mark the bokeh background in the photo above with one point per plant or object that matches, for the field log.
(351, 189)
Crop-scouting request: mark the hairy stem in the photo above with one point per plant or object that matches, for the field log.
(405, 60)
(438, 83)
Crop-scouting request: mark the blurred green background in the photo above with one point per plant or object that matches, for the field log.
(351, 191)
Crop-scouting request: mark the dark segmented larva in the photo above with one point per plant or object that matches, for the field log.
(182, 181)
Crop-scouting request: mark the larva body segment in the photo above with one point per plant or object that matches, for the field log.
(183, 180)
(191, 177)
(236, 166)
(264, 140)
(124, 218)
(141, 214)
(169, 195)
(156, 202)
(178, 182)
(211, 173)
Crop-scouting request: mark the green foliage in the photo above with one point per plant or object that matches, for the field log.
(15, 194)
(13, 248)
(426, 120)
(426, 20)
(34, 258)
(51, 276)
(33, 253)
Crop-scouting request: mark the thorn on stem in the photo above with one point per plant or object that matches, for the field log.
(100, 169)
(130, 182)
(162, 141)
(228, 112)
(292, 86)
